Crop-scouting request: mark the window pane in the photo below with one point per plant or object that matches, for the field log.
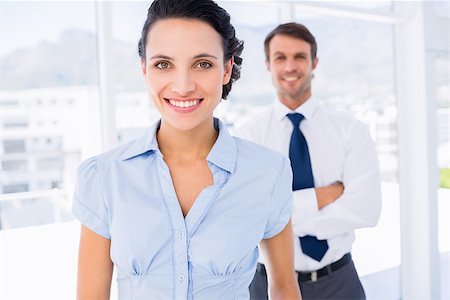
(356, 74)
(134, 109)
(14, 165)
(15, 188)
(48, 106)
(253, 90)
(13, 146)
(442, 76)
(379, 7)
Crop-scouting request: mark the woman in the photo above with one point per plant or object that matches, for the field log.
(180, 212)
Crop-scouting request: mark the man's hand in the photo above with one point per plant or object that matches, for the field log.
(328, 194)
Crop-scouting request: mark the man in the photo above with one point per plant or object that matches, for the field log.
(336, 178)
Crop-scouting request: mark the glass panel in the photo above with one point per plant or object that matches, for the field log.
(442, 67)
(383, 7)
(356, 74)
(442, 88)
(13, 146)
(15, 188)
(134, 109)
(14, 165)
(48, 105)
(253, 90)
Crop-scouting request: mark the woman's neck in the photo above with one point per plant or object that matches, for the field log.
(186, 146)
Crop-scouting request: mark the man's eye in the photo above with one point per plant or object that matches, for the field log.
(204, 65)
(162, 65)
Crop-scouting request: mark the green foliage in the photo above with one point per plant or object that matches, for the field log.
(444, 178)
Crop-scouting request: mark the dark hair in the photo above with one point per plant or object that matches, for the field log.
(294, 30)
(204, 10)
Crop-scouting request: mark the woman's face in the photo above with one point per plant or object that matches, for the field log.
(185, 71)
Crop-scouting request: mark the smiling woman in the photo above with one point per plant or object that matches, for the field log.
(181, 211)
(185, 83)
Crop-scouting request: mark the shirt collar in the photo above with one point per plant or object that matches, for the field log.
(223, 154)
(146, 143)
(307, 109)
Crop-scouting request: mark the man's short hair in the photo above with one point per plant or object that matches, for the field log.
(294, 30)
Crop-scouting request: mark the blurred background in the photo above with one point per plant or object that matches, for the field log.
(70, 88)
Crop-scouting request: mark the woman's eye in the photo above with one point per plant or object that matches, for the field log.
(204, 65)
(162, 65)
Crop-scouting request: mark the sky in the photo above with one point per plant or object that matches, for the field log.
(24, 23)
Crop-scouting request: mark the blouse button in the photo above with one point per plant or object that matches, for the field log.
(181, 277)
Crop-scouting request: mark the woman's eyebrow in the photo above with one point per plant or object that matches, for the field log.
(203, 55)
(161, 56)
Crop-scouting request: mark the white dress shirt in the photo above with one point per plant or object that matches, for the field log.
(341, 149)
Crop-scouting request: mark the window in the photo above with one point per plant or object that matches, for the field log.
(14, 165)
(15, 124)
(14, 146)
(356, 74)
(48, 101)
(15, 188)
(52, 163)
(442, 89)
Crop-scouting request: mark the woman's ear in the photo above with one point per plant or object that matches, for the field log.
(143, 67)
(228, 70)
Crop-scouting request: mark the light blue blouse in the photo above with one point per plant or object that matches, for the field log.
(126, 195)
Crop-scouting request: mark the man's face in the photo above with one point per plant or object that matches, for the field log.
(292, 67)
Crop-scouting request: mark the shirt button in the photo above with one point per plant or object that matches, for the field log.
(181, 277)
(181, 234)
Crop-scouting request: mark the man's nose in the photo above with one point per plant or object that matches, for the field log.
(289, 65)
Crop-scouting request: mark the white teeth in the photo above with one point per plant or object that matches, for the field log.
(290, 78)
(184, 104)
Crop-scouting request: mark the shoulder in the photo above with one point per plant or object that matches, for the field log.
(344, 121)
(106, 159)
(258, 156)
(251, 126)
(257, 117)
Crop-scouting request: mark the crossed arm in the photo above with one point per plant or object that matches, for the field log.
(328, 194)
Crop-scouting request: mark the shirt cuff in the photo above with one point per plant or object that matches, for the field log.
(305, 203)
(305, 209)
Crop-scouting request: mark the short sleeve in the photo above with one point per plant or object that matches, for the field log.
(281, 203)
(89, 206)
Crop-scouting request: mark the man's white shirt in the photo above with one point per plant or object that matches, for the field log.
(340, 149)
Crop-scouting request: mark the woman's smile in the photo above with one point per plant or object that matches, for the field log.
(184, 105)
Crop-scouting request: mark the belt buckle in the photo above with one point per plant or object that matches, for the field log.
(314, 276)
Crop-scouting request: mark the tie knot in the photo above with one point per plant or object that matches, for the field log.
(295, 118)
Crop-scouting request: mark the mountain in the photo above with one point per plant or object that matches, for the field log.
(71, 60)
(356, 63)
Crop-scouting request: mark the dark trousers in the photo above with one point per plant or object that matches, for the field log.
(341, 284)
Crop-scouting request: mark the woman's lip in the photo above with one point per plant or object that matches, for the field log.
(183, 99)
(183, 109)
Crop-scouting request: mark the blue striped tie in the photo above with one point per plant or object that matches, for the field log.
(303, 179)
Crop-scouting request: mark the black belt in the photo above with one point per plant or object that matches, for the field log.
(313, 276)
